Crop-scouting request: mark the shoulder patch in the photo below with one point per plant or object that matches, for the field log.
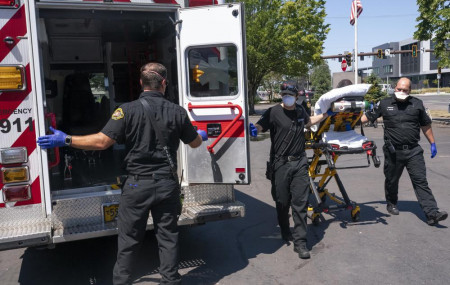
(118, 114)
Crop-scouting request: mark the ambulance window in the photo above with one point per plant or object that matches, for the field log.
(98, 88)
(213, 71)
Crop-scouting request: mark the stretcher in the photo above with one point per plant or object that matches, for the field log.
(334, 137)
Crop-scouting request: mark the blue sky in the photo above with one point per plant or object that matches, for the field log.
(381, 21)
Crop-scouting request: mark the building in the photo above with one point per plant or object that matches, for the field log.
(422, 69)
(387, 67)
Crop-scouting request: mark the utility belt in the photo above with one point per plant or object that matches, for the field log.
(154, 176)
(291, 157)
(393, 148)
(405, 146)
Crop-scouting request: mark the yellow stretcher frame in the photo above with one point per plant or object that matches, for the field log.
(331, 153)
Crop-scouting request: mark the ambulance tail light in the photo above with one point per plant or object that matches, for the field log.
(9, 3)
(15, 174)
(196, 73)
(16, 193)
(12, 78)
(13, 155)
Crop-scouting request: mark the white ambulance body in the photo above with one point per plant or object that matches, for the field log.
(70, 64)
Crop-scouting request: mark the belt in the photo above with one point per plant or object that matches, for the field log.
(150, 177)
(292, 157)
(405, 146)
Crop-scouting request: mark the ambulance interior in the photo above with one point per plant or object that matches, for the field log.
(91, 61)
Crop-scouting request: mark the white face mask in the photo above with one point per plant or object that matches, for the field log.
(288, 100)
(401, 95)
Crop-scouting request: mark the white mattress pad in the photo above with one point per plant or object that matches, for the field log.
(350, 139)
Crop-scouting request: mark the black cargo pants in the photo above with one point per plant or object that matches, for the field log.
(290, 188)
(414, 162)
(162, 198)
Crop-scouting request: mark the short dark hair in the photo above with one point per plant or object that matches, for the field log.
(343, 83)
(152, 75)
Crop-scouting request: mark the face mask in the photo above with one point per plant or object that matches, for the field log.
(401, 95)
(288, 100)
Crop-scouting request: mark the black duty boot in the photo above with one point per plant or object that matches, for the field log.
(436, 217)
(392, 209)
(302, 251)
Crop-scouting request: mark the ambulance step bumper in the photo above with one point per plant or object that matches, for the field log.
(207, 213)
(25, 235)
(190, 216)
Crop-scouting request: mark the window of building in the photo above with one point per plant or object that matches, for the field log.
(376, 70)
(388, 68)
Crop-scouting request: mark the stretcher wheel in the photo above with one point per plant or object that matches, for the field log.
(376, 161)
(356, 214)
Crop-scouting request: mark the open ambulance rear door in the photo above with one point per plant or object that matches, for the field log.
(23, 200)
(212, 83)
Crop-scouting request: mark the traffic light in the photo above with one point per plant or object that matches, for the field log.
(380, 53)
(348, 58)
(439, 70)
(414, 51)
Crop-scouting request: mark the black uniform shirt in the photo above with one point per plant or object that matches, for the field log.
(279, 121)
(402, 119)
(130, 125)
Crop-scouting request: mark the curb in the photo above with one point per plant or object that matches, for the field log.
(441, 121)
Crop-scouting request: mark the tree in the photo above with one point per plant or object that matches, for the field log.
(374, 94)
(434, 23)
(282, 37)
(272, 83)
(321, 80)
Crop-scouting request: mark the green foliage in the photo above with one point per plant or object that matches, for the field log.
(321, 80)
(374, 94)
(434, 20)
(284, 37)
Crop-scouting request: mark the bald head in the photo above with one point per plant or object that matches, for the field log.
(403, 84)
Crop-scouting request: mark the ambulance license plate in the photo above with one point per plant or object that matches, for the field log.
(110, 212)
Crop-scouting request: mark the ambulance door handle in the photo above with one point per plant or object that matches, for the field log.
(230, 105)
(52, 118)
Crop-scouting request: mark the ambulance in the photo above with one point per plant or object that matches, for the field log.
(69, 64)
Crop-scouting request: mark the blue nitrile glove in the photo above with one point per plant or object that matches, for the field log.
(433, 150)
(253, 130)
(58, 139)
(348, 127)
(330, 113)
(203, 134)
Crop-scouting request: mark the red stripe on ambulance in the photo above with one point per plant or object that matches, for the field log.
(236, 131)
(15, 27)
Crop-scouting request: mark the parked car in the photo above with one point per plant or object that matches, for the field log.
(262, 93)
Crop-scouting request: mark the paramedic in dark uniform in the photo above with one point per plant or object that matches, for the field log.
(290, 183)
(302, 100)
(150, 185)
(403, 118)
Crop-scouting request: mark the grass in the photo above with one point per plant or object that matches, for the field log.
(440, 114)
(430, 90)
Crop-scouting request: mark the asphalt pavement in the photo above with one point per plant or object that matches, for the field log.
(379, 249)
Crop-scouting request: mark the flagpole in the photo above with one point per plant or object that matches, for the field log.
(355, 56)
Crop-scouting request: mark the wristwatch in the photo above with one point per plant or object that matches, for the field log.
(68, 140)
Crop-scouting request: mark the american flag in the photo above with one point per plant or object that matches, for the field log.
(359, 9)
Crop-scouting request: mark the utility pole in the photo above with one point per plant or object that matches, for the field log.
(355, 54)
